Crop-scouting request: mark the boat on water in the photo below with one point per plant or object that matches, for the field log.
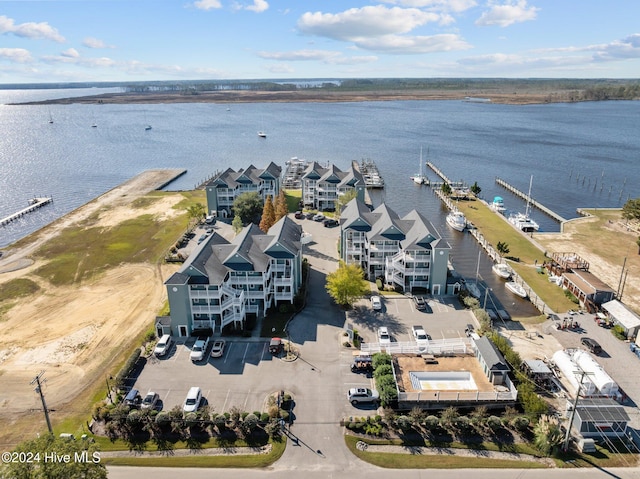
(498, 204)
(420, 179)
(147, 128)
(473, 289)
(262, 134)
(493, 316)
(522, 221)
(502, 270)
(516, 289)
(456, 220)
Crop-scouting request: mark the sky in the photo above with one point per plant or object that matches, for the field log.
(138, 40)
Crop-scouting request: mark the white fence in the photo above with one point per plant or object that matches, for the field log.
(438, 347)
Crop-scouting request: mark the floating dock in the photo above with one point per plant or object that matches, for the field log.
(34, 204)
(292, 177)
(531, 201)
(370, 173)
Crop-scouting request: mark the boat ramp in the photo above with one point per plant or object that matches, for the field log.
(531, 201)
(34, 204)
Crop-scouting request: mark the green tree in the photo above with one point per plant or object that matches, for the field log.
(346, 284)
(503, 248)
(446, 188)
(475, 189)
(196, 212)
(631, 209)
(281, 207)
(548, 434)
(268, 215)
(344, 199)
(248, 206)
(84, 460)
(236, 224)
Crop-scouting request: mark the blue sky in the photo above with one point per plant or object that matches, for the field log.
(127, 40)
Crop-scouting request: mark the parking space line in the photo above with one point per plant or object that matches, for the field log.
(226, 354)
(246, 350)
(224, 406)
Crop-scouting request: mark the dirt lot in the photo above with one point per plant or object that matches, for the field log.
(74, 333)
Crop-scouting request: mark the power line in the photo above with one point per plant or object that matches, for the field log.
(38, 389)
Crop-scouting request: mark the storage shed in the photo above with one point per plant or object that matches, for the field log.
(600, 418)
(623, 316)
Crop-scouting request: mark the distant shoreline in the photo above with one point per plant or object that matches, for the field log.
(525, 97)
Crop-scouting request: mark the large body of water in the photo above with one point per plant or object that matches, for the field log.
(580, 155)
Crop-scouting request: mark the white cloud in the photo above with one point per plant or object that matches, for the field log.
(70, 53)
(364, 22)
(444, 5)
(36, 31)
(325, 56)
(507, 14)
(207, 4)
(407, 45)
(16, 55)
(91, 42)
(258, 6)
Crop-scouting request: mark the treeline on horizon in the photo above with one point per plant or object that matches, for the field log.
(573, 89)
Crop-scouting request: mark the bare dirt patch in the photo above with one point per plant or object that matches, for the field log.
(76, 333)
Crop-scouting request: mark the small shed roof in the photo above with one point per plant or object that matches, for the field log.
(490, 354)
(622, 314)
(537, 366)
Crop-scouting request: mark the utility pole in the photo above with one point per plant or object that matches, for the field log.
(38, 389)
(567, 436)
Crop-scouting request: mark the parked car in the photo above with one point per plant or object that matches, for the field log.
(202, 238)
(163, 346)
(309, 215)
(358, 395)
(420, 303)
(217, 349)
(199, 349)
(383, 335)
(299, 215)
(150, 401)
(376, 303)
(330, 223)
(362, 364)
(133, 399)
(210, 220)
(318, 217)
(192, 401)
(592, 345)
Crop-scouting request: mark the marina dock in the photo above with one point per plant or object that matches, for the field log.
(34, 204)
(531, 201)
(370, 173)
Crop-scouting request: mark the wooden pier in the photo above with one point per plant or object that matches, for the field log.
(531, 201)
(34, 204)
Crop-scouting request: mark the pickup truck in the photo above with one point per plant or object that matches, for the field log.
(420, 335)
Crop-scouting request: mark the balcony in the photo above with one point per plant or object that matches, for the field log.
(383, 248)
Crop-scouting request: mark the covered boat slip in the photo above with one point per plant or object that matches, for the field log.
(623, 316)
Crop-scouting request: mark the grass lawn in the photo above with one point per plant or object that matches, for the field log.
(197, 460)
(293, 198)
(428, 461)
(496, 229)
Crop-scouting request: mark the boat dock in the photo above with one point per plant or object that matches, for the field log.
(34, 204)
(531, 201)
(370, 173)
(292, 177)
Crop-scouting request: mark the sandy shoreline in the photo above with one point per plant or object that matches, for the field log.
(523, 97)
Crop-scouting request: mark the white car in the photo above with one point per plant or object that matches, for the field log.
(358, 395)
(150, 401)
(376, 303)
(199, 349)
(383, 335)
(192, 401)
(217, 349)
(318, 217)
(163, 346)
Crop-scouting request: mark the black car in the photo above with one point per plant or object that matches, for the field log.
(309, 216)
(592, 345)
(330, 223)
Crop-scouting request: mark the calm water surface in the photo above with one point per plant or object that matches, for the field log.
(580, 155)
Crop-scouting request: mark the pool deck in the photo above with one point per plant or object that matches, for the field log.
(408, 364)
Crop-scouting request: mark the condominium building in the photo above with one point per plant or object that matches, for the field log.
(223, 281)
(406, 252)
(321, 187)
(226, 186)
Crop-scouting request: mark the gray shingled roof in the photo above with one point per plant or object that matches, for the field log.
(230, 177)
(490, 354)
(387, 225)
(421, 233)
(285, 232)
(352, 211)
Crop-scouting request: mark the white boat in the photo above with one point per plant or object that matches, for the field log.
(50, 117)
(147, 128)
(420, 179)
(522, 221)
(262, 134)
(456, 220)
(515, 288)
(502, 270)
(498, 204)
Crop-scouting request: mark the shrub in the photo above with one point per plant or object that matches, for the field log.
(380, 358)
(520, 423)
(383, 370)
(494, 423)
(619, 332)
(379, 283)
(404, 422)
(163, 419)
(264, 417)
(373, 429)
(127, 368)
